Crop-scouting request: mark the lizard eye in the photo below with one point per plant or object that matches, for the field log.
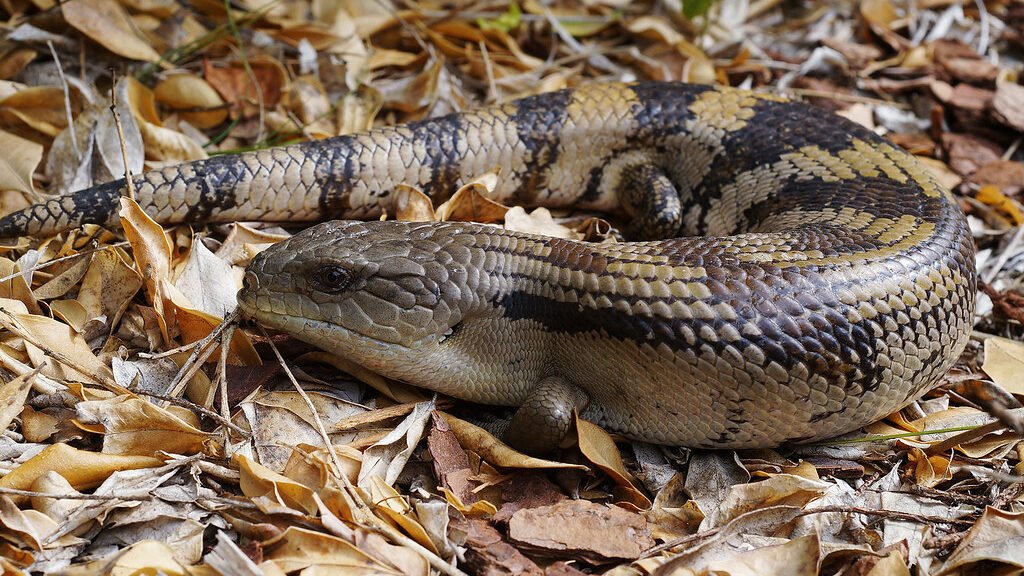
(331, 279)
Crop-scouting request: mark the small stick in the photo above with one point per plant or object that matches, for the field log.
(129, 185)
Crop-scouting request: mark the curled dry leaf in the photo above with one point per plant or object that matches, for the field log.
(12, 398)
(192, 98)
(477, 440)
(997, 537)
(409, 204)
(132, 425)
(387, 457)
(315, 552)
(263, 486)
(161, 143)
(537, 222)
(41, 108)
(599, 448)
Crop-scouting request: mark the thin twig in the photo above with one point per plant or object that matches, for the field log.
(336, 462)
(67, 102)
(35, 494)
(200, 354)
(49, 263)
(1004, 256)
(129, 185)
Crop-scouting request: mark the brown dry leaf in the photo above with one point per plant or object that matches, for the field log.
(409, 204)
(1004, 363)
(193, 99)
(472, 203)
(281, 420)
(39, 107)
(599, 448)
(18, 163)
(15, 293)
(537, 222)
(1008, 105)
(389, 503)
(29, 528)
(929, 471)
(53, 336)
(107, 288)
(37, 426)
(795, 557)
(12, 398)
(60, 284)
(146, 557)
(161, 143)
(235, 84)
(132, 425)
(582, 529)
(152, 252)
(107, 23)
(83, 469)
(782, 489)
(243, 243)
(318, 553)
(968, 153)
(477, 440)
(1006, 174)
(997, 537)
(264, 486)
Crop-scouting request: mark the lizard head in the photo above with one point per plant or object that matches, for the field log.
(370, 291)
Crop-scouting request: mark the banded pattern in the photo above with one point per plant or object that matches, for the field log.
(823, 279)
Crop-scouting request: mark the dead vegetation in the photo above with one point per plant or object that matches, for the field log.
(132, 441)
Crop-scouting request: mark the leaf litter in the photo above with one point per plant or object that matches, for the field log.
(133, 440)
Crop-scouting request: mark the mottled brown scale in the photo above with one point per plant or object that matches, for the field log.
(822, 280)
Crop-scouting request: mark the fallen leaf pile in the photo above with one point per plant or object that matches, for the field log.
(143, 434)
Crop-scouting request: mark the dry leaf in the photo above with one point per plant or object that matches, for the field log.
(132, 425)
(537, 222)
(476, 439)
(599, 448)
(264, 485)
(1004, 363)
(582, 529)
(83, 469)
(318, 553)
(12, 398)
(193, 99)
(997, 536)
(39, 107)
(18, 163)
(1008, 105)
(107, 23)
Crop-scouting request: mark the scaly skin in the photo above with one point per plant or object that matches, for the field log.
(827, 279)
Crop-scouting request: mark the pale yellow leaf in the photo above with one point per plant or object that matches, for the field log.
(18, 162)
(107, 23)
